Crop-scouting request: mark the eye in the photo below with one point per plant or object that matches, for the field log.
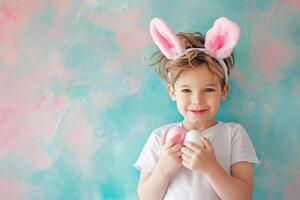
(209, 90)
(185, 90)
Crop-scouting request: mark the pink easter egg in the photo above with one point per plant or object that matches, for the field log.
(176, 130)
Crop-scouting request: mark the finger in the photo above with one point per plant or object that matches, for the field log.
(206, 143)
(172, 141)
(187, 151)
(175, 148)
(162, 139)
(192, 146)
(186, 157)
(185, 164)
(179, 160)
(178, 154)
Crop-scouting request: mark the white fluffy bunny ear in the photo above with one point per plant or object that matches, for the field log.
(166, 40)
(222, 37)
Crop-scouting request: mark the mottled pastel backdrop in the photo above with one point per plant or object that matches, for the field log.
(78, 98)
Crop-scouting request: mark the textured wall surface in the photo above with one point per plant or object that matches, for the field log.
(78, 98)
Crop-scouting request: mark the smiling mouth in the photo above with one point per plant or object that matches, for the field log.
(198, 112)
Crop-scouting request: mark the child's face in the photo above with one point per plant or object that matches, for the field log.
(198, 95)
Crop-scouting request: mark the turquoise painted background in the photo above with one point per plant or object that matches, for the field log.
(78, 98)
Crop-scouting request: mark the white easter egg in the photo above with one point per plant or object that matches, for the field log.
(194, 137)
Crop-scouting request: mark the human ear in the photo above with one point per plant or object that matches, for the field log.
(225, 92)
(171, 91)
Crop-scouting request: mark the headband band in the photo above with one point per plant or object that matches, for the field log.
(221, 61)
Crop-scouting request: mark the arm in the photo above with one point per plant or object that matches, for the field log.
(153, 185)
(238, 186)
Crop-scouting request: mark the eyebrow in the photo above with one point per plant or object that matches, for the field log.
(184, 86)
(213, 85)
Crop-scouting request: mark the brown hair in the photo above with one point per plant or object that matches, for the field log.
(170, 70)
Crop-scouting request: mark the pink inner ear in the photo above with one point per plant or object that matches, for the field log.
(166, 43)
(220, 40)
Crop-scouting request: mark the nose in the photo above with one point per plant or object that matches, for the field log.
(198, 98)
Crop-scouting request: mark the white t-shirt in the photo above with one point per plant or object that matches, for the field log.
(231, 144)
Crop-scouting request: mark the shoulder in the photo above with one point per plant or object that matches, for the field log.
(232, 125)
(157, 132)
(234, 129)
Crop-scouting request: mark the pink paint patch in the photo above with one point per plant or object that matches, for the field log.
(38, 159)
(42, 99)
(20, 136)
(292, 3)
(26, 116)
(12, 190)
(14, 16)
(6, 112)
(271, 54)
(8, 14)
(62, 7)
(291, 191)
(78, 140)
(59, 102)
(9, 128)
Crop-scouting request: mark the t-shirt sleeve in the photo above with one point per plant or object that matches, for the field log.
(242, 148)
(149, 155)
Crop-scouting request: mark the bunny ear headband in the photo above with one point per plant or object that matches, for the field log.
(219, 40)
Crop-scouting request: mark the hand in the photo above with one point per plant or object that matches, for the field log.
(198, 159)
(170, 155)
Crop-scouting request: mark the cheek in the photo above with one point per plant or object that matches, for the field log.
(215, 101)
(182, 102)
(181, 108)
(182, 97)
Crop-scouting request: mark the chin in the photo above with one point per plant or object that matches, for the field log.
(196, 120)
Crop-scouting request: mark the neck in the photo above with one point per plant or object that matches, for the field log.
(200, 126)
